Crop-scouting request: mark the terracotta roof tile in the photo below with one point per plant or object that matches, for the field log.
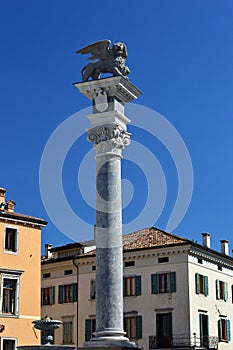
(147, 238)
(6, 214)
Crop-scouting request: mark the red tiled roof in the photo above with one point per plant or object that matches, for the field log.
(6, 214)
(147, 238)
(150, 237)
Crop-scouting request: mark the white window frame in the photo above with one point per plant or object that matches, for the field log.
(8, 338)
(17, 293)
(6, 251)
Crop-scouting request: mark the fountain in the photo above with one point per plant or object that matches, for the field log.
(47, 324)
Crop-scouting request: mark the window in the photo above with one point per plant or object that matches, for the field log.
(224, 330)
(8, 343)
(9, 293)
(92, 289)
(67, 293)
(89, 328)
(220, 268)
(200, 261)
(10, 296)
(221, 290)
(132, 286)
(133, 327)
(201, 283)
(163, 283)
(10, 241)
(67, 332)
(93, 268)
(47, 275)
(47, 296)
(68, 272)
(129, 263)
(163, 260)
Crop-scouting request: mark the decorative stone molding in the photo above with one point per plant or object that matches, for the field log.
(112, 132)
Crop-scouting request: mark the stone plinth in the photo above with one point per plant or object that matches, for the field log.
(109, 133)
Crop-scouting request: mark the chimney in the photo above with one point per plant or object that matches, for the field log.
(10, 206)
(224, 247)
(206, 239)
(48, 253)
(2, 198)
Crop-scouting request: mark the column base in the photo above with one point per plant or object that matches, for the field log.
(108, 346)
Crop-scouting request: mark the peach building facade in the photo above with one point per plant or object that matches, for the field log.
(20, 248)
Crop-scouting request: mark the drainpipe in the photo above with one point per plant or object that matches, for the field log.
(77, 310)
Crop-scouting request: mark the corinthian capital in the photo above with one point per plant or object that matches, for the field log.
(112, 132)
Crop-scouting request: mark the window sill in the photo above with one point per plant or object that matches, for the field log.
(10, 252)
(8, 315)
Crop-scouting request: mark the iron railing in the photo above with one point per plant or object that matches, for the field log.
(186, 341)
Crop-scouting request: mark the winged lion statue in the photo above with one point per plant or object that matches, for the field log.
(105, 59)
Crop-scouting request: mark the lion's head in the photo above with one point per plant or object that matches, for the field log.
(119, 50)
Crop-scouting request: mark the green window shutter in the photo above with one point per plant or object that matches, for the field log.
(138, 327)
(228, 330)
(225, 291)
(154, 284)
(219, 330)
(51, 295)
(170, 326)
(123, 286)
(217, 290)
(197, 283)
(61, 294)
(206, 286)
(201, 326)
(172, 282)
(138, 285)
(88, 332)
(74, 292)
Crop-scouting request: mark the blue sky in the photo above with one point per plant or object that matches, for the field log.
(180, 56)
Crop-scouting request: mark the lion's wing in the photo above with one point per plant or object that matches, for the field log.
(97, 50)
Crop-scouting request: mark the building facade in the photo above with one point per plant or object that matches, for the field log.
(20, 246)
(177, 293)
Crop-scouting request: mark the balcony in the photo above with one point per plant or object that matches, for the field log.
(184, 342)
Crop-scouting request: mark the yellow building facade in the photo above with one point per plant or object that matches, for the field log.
(20, 245)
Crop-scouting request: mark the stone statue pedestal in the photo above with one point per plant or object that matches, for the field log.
(108, 131)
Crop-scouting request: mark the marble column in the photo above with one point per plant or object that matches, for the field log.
(109, 134)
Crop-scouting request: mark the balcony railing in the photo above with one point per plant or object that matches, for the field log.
(185, 341)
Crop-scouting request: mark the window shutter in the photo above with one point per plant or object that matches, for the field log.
(123, 286)
(219, 330)
(61, 294)
(88, 332)
(154, 284)
(172, 282)
(138, 285)
(51, 296)
(74, 292)
(228, 330)
(201, 327)
(170, 325)
(197, 283)
(138, 327)
(217, 290)
(206, 287)
(225, 291)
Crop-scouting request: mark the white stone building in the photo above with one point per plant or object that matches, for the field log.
(177, 293)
